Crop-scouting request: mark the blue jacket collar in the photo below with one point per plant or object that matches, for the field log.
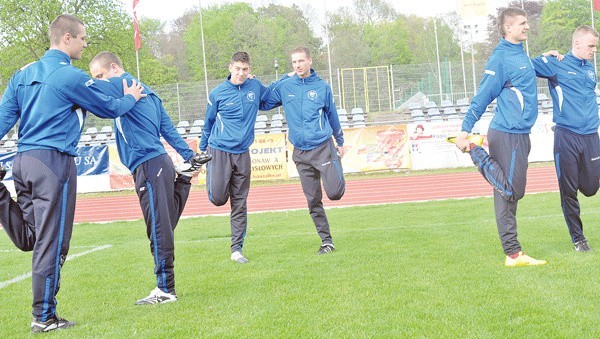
(572, 58)
(509, 44)
(57, 53)
(237, 86)
(311, 77)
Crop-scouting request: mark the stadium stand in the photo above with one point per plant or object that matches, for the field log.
(262, 118)
(344, 121)
(91, 130)
(276, 126)
(342, 111)
(85, 139)
(358, 117)
(106, 130)
(430, 104)
(279, 116)
(198, 122)
(415, 113)
(414, 105)
(356, 110)
(433, 112)
(446, 103)
(181, 130)
(101, 138)
(9, 144)
(359, 124)
(183, 123)
(195, 131)
(462, 102)
(447, 111)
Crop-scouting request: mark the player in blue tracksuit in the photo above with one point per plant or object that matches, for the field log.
(48, 96)
(572, 84)
(510, 77)
(312, 120)
(227, 135)
(162, 194)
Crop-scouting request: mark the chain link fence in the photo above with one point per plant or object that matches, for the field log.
(382, 92)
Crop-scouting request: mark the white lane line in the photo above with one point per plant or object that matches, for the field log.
(69, 257)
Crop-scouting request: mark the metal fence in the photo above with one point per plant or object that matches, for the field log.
(382, 92)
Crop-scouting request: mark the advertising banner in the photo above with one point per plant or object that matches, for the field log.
(370, 149)
(92, 160)
(268, 154)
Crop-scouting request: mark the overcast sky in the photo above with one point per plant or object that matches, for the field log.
(169, 10)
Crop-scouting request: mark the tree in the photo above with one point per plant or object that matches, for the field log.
(534, 13)
(374, 12)
(275, 31)
(24, 34)
(559, 20)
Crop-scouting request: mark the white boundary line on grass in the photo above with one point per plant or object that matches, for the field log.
(69, 257)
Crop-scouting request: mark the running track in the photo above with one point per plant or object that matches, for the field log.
(290, 196)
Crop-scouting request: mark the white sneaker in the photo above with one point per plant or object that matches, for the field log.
(157, 296)
(238, 257)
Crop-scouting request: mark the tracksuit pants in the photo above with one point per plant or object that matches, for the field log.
(42, 219)
(321, 162)
(162, 199)
(577, 161)
(228, 178)
(505, 168)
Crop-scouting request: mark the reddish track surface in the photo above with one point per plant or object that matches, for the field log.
(358, 192)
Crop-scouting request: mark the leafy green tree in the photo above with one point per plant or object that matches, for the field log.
(266, 34)
(534, 13)
(559, 20)
(24, 35)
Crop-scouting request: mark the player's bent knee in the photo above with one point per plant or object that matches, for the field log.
(336, 195)
(25, 247)
(218, 202)
(590, 192)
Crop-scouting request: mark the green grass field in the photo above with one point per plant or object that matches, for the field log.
(432, 269)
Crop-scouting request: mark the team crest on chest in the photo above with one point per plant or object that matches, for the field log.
(312, 94)
(250, 96)
(592, 75)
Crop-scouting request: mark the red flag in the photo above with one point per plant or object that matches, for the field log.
(136, 28)
(597, 5)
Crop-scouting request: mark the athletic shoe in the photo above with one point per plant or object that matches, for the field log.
(55, 323)
(474, 140)
(326, 248)
(157, 296)
(582, 246)
(193, 164)
(238, 257)
(522, 260)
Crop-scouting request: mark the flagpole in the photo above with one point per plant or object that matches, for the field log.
(437, 51)
(526, 42)
(595, 56)
(137, 62)
(137, 38)
(203, 49)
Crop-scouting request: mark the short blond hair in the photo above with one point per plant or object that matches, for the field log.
(105, 59)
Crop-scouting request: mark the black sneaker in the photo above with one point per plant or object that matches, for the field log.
(582, 246)
(326, 248)
(193, 164)
(50, 325)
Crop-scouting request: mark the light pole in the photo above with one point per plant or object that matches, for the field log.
(276, 65)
